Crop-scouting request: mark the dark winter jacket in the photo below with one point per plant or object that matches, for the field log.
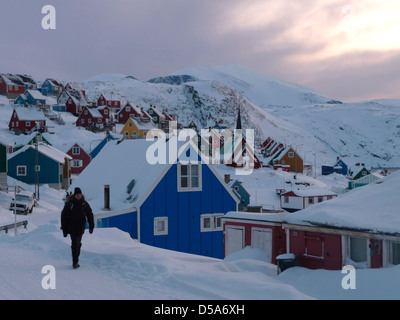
(74, 216)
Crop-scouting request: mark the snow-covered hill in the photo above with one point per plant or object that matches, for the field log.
(260, 88)
(366, 132)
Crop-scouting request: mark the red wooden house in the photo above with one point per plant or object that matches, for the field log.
(107, 100)
(11, 86)
(76, 86)
(258, 230)
(360, 229)
(80, 158)
(24, 120)
(73, 99)
(93, 117)
(130, 110)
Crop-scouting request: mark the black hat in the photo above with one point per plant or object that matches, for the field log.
(77, 191)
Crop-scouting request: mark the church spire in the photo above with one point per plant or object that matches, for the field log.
(239, 121)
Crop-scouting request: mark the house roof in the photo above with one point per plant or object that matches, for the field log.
(37, 95)
(132, 180)
(143, 125)
(54, 82)
(45, 149)
(27, 114)
(373, 208)
(311, 193)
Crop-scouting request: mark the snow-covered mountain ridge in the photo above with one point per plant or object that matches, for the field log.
(367, 132)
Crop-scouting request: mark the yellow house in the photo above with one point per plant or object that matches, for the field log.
(137, 128)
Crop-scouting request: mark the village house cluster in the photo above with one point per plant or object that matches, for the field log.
(182, 206)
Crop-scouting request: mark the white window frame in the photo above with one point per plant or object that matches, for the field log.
(162, 232)
(213, 218)
(75, 163)
(189, 187)
(76, 151)
(21, 174)
(291, 154)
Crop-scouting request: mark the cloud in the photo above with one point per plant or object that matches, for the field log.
(319, 43)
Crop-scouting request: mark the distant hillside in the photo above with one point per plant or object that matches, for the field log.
(367, 132)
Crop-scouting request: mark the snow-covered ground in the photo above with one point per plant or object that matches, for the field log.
(114, 266)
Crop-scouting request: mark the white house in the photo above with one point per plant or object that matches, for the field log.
(301, 199)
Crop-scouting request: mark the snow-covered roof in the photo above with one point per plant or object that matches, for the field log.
(131, 178)
(374, 208)
(45, 149)
(257, 216)
(27, 114)
(143, 125)
(37, 95)
(311, 193)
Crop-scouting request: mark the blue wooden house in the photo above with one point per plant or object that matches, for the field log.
(339, 167)
(31, 97)
(52, 87)
(175, 205)
(41, 165)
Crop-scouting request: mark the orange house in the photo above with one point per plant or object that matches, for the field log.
(289, 157)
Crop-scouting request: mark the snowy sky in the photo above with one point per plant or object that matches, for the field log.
(346, 49)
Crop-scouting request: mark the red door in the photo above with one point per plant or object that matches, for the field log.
(333, 252)
(376, 253)
(314, 250)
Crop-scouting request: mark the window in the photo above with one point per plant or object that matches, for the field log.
(396, 252)
(189, 177)
(311, 200)
(358, 249)
(21, 170)
(28, 123)
(286, 200)
(37, 168)
(77, 163)
(320, 199)
(76, 150)
(128, 109)
(211, 222)
(291, 154)
(160, 226)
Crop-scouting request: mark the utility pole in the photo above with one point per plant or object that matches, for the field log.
(15, 209)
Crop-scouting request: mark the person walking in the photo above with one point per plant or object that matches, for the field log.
(73, 222)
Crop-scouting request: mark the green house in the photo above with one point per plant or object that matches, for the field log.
(156, 115)
(3, 164)
(362, 173)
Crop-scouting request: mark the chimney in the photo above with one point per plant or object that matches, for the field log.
(227, 178)
(107, 197)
